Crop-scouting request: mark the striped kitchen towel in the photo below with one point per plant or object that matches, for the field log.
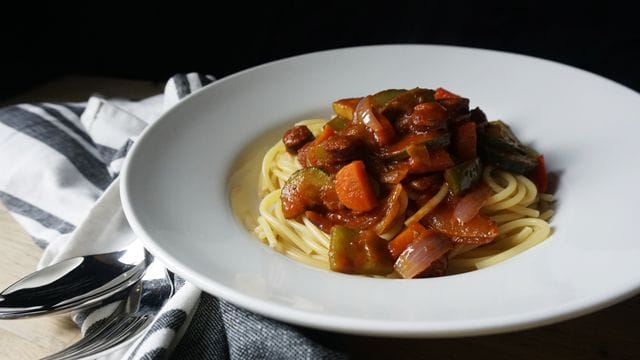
(60, 164)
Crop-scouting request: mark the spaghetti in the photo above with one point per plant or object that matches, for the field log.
(516, 207)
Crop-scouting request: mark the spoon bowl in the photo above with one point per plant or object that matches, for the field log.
(74, 284)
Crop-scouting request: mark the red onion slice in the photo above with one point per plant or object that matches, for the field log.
(395, 205)
(469, 206)
(421, 253)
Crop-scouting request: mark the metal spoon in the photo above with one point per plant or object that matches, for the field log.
(74, 284)
(133, 315)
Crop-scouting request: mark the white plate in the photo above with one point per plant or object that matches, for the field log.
(176, 191)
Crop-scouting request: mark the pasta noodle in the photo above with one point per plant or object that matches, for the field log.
(300, 241)
(514, 205)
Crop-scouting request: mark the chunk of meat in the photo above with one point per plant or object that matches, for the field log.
(296, 137)
(340, 148)
(437, 268)
(423, 188)
(424, 118)
(477, 230)
(330, 154)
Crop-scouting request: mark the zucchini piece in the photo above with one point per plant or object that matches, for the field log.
(338, 123)
(404, 102)
(499, 146)
(345, 107)
(498, 134)
(463, 176)
(302, 191)
(381, 98)
(340, 253)
(359, 252)
(399, 150)
(506, 160)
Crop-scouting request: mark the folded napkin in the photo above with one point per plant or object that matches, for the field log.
(60, 164)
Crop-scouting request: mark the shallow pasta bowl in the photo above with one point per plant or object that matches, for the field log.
(184, 170)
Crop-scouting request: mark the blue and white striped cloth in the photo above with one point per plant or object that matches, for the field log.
(59, 166)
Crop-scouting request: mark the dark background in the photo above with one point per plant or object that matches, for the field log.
(153, 43)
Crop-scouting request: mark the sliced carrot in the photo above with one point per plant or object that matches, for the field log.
(465, 141)
(445, 94)
(354, 188)
(406, 237)
(327, 132)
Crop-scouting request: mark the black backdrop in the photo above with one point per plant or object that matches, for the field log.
(132, 41)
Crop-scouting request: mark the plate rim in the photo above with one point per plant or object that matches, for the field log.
(343, 324)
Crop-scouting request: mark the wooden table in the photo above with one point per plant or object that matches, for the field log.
(613, 333)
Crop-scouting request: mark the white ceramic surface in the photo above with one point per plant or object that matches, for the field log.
(176, 192)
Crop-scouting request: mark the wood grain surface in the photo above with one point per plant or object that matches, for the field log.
(30, 338)
(612, 333)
